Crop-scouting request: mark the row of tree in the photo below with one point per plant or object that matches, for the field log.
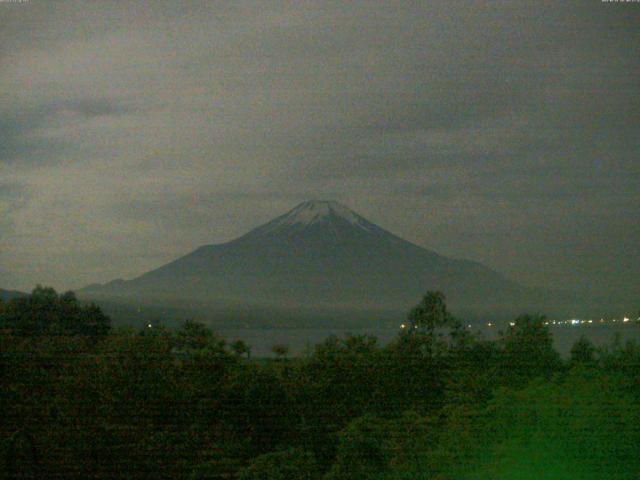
(44, 312)
(436, 403)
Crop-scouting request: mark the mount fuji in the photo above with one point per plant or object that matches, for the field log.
(320, 256)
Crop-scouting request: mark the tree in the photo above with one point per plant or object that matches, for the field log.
(583, 351)
(280, 351)
(240, 348)
(293, 464)
(364, 449)
(194, 335)
(430, 313)
(44, 312)
(94, 322)
(582, 425)
(256, 409)
(527, 350)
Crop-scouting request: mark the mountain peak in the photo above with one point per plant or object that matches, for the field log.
(331, 217)
(313, 211)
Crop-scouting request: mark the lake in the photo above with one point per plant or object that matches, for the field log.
(301, 340)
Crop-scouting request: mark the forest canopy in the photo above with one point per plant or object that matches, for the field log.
(81, 400)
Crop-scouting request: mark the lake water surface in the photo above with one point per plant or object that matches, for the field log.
(302, 340)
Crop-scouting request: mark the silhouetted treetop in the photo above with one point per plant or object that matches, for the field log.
(430, 313)
(44, 312)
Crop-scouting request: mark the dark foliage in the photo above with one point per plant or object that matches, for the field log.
(79, 401)
(44, 312)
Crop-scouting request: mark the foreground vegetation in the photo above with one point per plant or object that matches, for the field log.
(81, 400)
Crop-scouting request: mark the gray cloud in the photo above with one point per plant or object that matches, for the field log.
(132, 132)
(23, 135)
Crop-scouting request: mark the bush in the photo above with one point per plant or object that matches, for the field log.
(293, 464)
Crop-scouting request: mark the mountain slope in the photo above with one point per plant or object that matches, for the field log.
(6, 295)
(320, 255)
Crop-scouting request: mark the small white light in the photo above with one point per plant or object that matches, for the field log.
(513, 324)
(149, 325)
(625, 319)
(402, 326)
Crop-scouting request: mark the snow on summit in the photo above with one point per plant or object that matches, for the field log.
(315, 210)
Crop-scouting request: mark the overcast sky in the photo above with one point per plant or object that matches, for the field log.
(132, 133)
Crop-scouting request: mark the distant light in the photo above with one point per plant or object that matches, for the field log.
(149, 325)
(513, 324)
(590, 321)
(490, 324)
(468, 326)
(402, 326)
(625, 319)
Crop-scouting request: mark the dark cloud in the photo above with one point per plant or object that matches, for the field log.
(132, 132)
(21, 132)
(91, 107)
